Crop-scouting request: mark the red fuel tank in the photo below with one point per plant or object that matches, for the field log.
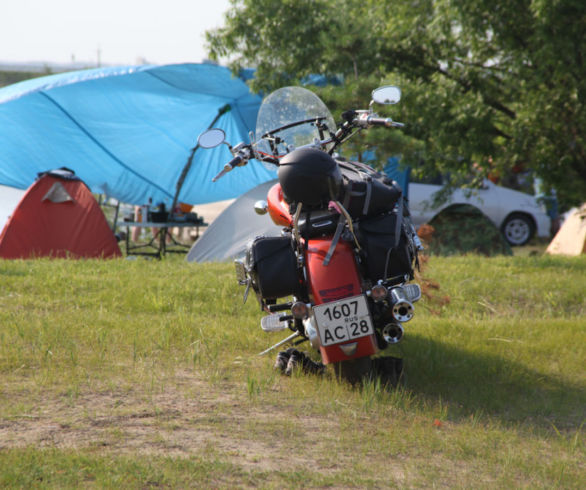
(278, 208)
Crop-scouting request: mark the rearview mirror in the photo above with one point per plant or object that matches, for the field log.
(386, 95)
(211, 138)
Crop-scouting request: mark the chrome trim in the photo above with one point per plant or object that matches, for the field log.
(412, 292)
(393, 333)
(261, 207)
(273, 323)
(311, 332)
(401, 309)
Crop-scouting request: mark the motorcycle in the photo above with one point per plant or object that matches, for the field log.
(339, 276)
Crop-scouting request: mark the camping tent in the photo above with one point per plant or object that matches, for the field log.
(9, 198)
(230, 232)
(571, 237)
(58, 217)
(128, 132)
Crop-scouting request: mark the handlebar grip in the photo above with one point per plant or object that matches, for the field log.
(379, 121)
(237, 160)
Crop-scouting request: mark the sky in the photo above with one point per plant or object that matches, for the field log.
(108, 32)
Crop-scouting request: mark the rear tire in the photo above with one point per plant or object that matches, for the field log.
(389, 370)
(354, 370)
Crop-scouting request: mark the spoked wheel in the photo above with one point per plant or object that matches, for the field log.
(518, 229)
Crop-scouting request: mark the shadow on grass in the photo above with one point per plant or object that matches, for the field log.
(474, 383)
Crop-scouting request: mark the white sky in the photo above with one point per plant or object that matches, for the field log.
(123, 31)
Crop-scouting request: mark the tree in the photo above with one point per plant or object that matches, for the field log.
(499, 84)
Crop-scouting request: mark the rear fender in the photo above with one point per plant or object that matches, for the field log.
(339, 279)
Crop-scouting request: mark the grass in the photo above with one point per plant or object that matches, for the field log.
(144, 373)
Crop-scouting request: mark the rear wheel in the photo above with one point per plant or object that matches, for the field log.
(518, 229)
(389, 370)
(354, 370)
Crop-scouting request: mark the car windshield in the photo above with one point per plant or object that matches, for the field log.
(276, 130)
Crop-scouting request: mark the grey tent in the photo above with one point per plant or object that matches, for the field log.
(9, 199)
(227, 236)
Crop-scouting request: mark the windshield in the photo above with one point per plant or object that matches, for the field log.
(285, 107)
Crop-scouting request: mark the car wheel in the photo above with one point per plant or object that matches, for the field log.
(518, 229)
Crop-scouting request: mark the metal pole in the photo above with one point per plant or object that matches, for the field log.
(185, 170)
(278, 344)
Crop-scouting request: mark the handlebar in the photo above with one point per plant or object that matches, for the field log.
(353, 119)
(243, 154)
(367, 120)
(379, 121)
(237, 160)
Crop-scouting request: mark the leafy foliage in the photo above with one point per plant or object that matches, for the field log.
(497, 84)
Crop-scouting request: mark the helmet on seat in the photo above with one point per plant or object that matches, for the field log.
(309, 176)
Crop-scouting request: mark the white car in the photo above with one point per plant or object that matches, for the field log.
(518, 215)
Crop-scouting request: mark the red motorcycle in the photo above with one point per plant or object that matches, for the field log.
(342, 265)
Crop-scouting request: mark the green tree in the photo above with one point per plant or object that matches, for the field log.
(498, 83)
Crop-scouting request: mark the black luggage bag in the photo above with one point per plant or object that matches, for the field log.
(385, 255)
(272, 266)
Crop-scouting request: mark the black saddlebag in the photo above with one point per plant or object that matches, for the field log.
(366, 191)
(272, 266)
(384, 256)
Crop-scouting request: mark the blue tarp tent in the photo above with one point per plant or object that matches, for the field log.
(393, 169)
(128, 131)
(402, 175)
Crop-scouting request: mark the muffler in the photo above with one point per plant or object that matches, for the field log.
(393, 333)
(401, 308)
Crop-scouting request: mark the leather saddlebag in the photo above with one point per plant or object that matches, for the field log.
(272, 266)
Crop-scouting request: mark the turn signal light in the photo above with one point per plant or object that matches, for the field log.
(379, 293)
(299, 310)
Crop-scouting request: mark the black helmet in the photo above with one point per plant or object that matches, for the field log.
(309, 176)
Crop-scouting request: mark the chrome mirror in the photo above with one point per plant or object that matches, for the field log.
(386, 95)
(211, 138)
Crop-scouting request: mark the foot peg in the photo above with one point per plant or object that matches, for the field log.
(273, 323)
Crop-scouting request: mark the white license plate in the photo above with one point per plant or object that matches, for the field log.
(343, 320)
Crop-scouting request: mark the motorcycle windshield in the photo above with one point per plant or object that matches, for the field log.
(279, 124)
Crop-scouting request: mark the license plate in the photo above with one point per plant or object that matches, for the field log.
(343, 320)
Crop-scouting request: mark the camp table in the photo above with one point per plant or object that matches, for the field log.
(157, 246)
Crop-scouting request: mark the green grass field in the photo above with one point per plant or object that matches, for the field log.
(137, 374)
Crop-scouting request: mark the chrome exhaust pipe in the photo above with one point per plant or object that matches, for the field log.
(393, 333)
(401, 308)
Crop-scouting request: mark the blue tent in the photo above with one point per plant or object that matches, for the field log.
(128, 132)
(399, 173)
